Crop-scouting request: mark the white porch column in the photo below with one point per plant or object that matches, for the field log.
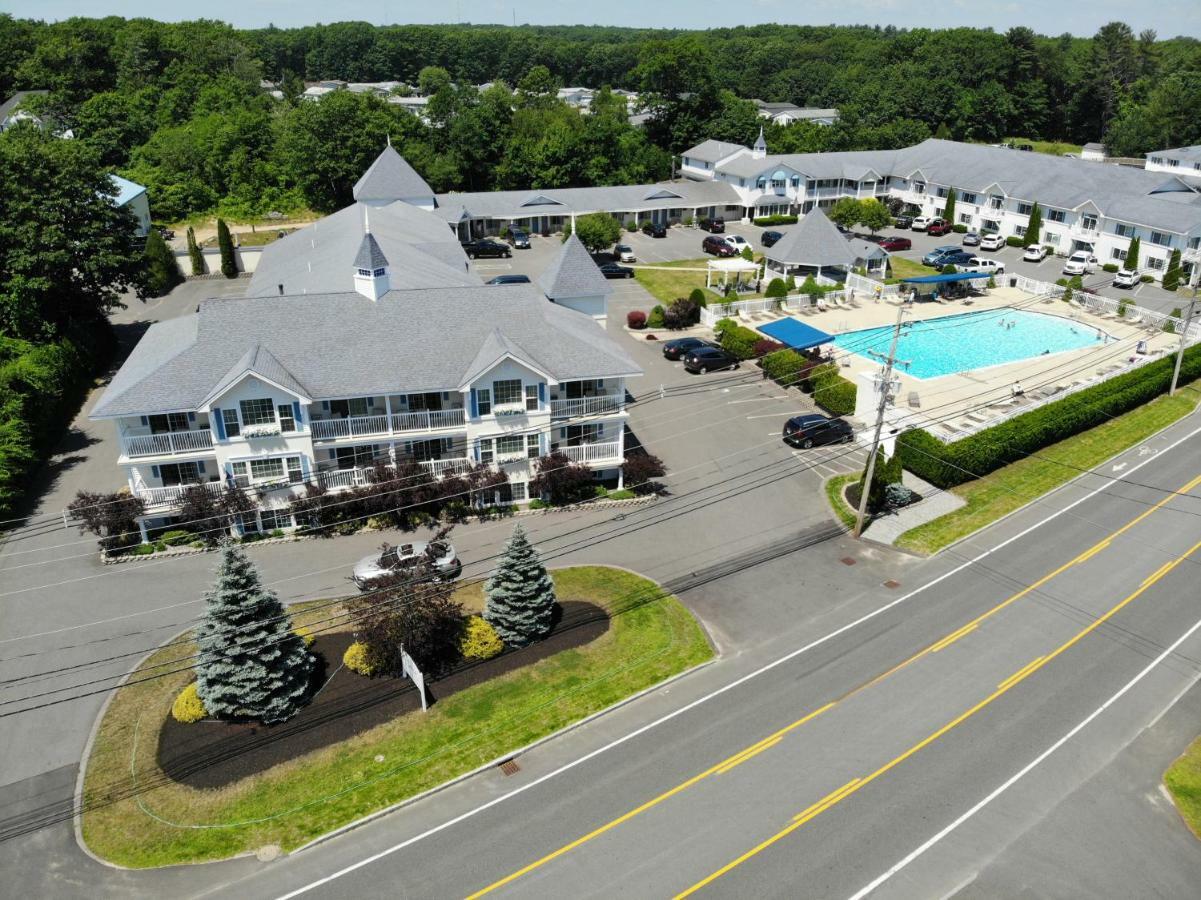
(388, 409)
(573, 223)
(142, 530)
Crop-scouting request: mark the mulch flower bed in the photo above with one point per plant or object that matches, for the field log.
(212, 754)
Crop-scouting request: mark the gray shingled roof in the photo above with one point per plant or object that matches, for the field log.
(712, 151)
(573, 273)
(1189, 154)
(320, 258)
(814, 241)
(345, 345)
(614, 198)
(258, 360)
(391, 177)
(370, 256)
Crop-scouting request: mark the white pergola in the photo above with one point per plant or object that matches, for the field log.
(724, 267)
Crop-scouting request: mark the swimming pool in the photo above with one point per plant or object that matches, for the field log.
(973, 340)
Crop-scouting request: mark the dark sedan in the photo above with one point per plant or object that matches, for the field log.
(902, 222)
(678, 347)
(770, 238)
(896, 243)
(709, 359)
(713, 226)
(813, 430)
(718, 247)
(486, 247)
(509, 279)
(654, 229)
(613, 270)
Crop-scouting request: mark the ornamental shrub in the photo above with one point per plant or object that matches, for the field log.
(305, 634)
(188, 707)
(764, 346)
(737, 339)
(640, 469)
(959, 228)
(520, 596)
(698, 297)
(229, 261)
(480, 640)
(948, 465)
(682, 313)
(356, 659)
(177, 538)
(776, 219)
(631, 226)
(784, 366)
(776, 288)
(1109, 267)
(636, 319)
(1013, 241)
(655, 320)
(835, 394)
(1171, 277)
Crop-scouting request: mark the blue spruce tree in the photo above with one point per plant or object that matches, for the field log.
(251, 663)
(520, 602)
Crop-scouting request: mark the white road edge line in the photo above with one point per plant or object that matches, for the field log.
(471, 813)
(1021, 773)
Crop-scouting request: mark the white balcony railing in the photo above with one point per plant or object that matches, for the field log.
(168, 443)
(334, 479)
(366, 426)
(355, 426)
(429, 420)
(593, 453)
(586, 406)
(171, 496)
(440, 467)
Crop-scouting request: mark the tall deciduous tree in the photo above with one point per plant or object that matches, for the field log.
(251, 664)
(520, 596)
(597, 231)
(874, 215)
(229, 262)
(1034, 227)
(845, 212)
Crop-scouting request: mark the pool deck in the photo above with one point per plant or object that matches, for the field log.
(952, 406)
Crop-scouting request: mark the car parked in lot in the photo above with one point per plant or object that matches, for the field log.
(486, 247)
(613, 270)
(992, 241)
(920, 223)
(519, 238)
(770, 238)
(1036, 253)
(1080, 263)
(984, 264)
(624, 253)
(813, 430)
(713, 226)
(971, 239)
(438, 558)
(902, 222)
(1125, 278)
(931, 258)
(717, 246)
(938, 227)
(737, 241)
(509, 279)
(709, 359)
(678, 347)
(654, 229)
(896, 243)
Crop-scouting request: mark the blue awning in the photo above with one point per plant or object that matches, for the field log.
(795, 334)
(941, 279)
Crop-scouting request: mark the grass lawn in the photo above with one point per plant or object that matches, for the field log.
(834, 489)
(666, 285)
(651, 637)
(1183, 779)
(253, 238)
(907, 268)
(1055, 148)
(991, 497)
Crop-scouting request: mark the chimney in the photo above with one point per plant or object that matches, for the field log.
(281, 290)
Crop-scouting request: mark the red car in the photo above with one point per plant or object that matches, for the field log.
(938, 227)
(718, 247)
(896, 243)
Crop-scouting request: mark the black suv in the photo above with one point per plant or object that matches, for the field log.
(770, 238)
(654, 229)
(678, 347)
(813, 430)
(714, 226)
(709, 359)
(486, 247)
(902, 221)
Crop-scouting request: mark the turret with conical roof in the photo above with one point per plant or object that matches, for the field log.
(370, 266)
(389, 179)
(759, 151)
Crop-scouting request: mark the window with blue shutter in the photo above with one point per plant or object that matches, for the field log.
(296, 412)
(200, 467)
(475, 410)
(215, 418)
(541, 393)
(145, 421)
(154, 471)
(191, 417)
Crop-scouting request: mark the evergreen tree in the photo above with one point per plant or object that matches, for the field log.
(1035, 226)
(888, 471)
(948, 212)
(1171, 277)
(162, 272)
(194, 253)
(520, 601)
(1132, 254)
(251, 663)
(229, 263)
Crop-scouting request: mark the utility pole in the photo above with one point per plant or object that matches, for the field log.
(885, 381)
(1188, 320)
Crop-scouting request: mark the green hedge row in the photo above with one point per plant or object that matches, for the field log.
(777, 219)
(833, 393)
(946, 465)
(736, 338)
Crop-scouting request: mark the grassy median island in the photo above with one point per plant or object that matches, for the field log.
(1001, 492)
(1183, 779)
(836, 495)
(128, 801)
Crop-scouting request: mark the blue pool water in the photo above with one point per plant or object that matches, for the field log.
(973, 340)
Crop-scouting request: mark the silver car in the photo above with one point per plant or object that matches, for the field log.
(402, 558)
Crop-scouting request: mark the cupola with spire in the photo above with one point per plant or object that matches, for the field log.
(759, 151)
(370, 266)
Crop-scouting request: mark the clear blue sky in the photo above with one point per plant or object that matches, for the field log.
(1082, 17)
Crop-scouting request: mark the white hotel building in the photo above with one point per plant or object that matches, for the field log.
(1085, 206)
(365, 338)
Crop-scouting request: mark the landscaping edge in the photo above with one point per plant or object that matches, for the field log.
(1059, 487)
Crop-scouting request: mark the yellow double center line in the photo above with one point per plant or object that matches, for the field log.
(759, 746)
(1005, 686)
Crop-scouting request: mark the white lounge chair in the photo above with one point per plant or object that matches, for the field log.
(914, 400)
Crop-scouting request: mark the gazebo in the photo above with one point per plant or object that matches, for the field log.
(724, 267)
(815, 245)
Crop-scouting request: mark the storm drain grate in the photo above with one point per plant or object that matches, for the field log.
(848, 560)
(510, 767)
(892, 584)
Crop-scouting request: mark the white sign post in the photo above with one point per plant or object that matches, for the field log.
(409, 670)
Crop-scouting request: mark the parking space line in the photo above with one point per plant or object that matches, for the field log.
(786, 412)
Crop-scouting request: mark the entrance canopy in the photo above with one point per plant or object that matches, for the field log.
(796, 334)
(943, 279)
